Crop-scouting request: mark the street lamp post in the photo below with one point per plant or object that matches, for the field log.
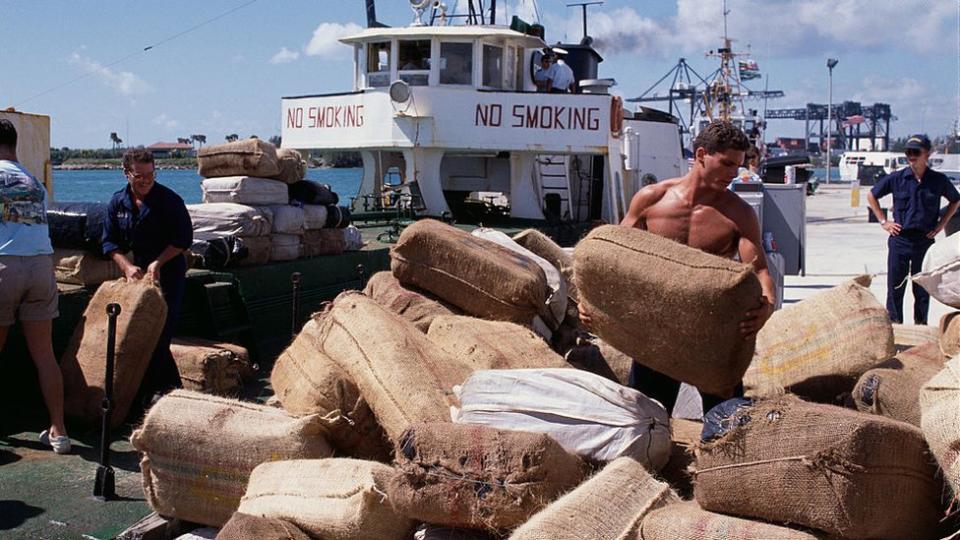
(831, 63)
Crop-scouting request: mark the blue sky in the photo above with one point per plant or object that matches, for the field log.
(228, 76)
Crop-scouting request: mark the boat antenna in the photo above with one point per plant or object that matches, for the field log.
(725, 13)
(493, 11)
(583, 7)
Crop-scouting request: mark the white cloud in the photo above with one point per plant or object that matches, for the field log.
(164, 121)
(325, 40)
(124, 82)
(285, 56)
(778, 27)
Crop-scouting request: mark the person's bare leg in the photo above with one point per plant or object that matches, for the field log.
(39, 341)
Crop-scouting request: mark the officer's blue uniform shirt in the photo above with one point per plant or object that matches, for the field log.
(916, 205)
(161, 221)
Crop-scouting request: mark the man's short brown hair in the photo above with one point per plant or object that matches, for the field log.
(136, 155)
(8, 134)
(720, 136)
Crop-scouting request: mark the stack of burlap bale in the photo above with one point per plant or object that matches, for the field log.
(76, 232)
(432, 406)
(259, 194)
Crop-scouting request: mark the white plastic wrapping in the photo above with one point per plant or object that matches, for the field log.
(284, 247)
(587, 414)
(353, 239)
(314, 216)
(287, 219)
(244, 190)
(940, 275)
(229, 218)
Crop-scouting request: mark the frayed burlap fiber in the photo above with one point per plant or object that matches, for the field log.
(851, 474)
(492, 344)
(199, 450)
(608, 506)
(332, 499)
(414, 306)
(892, 389)
(478, 276)
(463, 475)
(687, 521)
(139, 325)
(249, 157)
(670, 307)
(307, 381)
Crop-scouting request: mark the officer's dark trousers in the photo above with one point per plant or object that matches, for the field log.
(905, 257)
(162, 375)
(658, 386)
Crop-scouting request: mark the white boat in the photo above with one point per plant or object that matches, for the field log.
(443, 113)
(851, 162)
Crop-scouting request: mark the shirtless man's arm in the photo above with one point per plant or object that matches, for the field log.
(751, 252)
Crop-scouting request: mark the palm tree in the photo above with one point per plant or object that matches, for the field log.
(183, 140)
(202, 139)
(114, 139)
(233, 137)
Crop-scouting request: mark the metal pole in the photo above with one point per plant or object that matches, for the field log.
(829, 118)
(295, 316)
(104, 485)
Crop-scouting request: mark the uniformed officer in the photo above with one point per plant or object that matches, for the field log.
(913, 224)
(151, 220)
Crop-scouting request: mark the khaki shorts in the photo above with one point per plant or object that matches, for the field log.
(28, 289)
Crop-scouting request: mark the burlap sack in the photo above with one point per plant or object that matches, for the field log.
(892, 389)
(199, 451)
(950, 334)
(139, 325)
(670, 307)
(211, 367)
(403, 376)
(939, 403)
(688, 521)
(293, 168)
(244, 527)
(478, 276)
(79, 267)
(608, 506)
(259, 249)
(819, 347)
(333, 499)
(323, 242)
(478, 477)
(684, 437)
(492, 344)
(543, 246)
(911, 335)
(851, 474)
(307, 381)
(417, 307)
(249, 157)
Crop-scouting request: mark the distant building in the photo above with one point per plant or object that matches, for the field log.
(169, 149)
(791, 145)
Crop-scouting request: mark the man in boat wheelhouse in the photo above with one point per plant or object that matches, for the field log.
(698, 210)
(914, 223)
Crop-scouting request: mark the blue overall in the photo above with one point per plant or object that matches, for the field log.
(161, 221)
(916, 208)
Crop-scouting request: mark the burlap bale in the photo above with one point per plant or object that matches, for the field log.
(950, 334)
(333, 499)
(684, 437)
(403, 376)
(293, 168)
(307, 381)
(819, 347)
(319, 242)
(608, 506)
(911, 335)
(284, 247)
(244, 527)
(79, 267)
(543, 246)
(940, 421)
(478, 477)
(199, 450)
(668, 306)
(211, 367)
(892, 389)
(480, 277)
(492, 344)
(259, 249)
(597, 356)
(249, 157)
(688, 521)
(139, 325)
(851, 474)
(417, 307)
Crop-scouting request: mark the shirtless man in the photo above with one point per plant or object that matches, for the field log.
(698, 210)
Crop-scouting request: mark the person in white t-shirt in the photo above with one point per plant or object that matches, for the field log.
(28, 287)
(563, 78)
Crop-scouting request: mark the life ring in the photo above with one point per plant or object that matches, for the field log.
(616, 116)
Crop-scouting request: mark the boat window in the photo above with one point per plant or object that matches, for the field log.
(456, 63)
(378, 64)
(493, 66)
(901, 160)
(414, 62)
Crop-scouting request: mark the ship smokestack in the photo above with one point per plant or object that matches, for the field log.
(372, 14)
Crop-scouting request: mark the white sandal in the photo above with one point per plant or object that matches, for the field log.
(60, 445)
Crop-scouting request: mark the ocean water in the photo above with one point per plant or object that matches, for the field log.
(99, 186)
